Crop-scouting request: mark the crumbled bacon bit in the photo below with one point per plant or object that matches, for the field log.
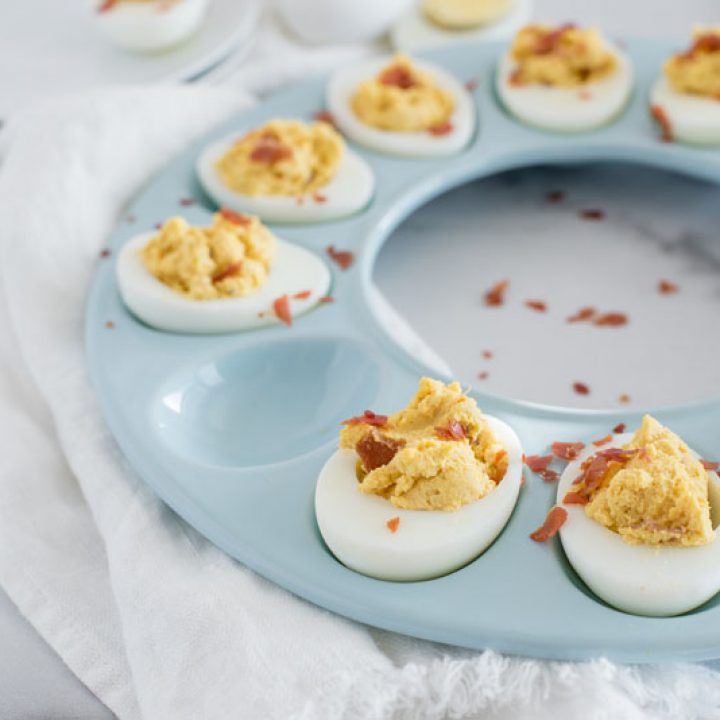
(549, 41)
(582, 315)
(593, 471)
(106, 5)
(302, 295)
(496, 294)
(487, 354)
(515, 79)
(707, 42)
(319, 198)
(602, 441)
(549, 475)
(270, 150)
(624, 398)
(229, 271)
(367, 418)
(376, 450)
(452, 431)
(281, 308)
(612, 319)
(581, 388)
(573, 497)
(105, 253)
(392, 524)
(619, 428)
(538, 463)
(592, 214)
(398, 76)
(325, 116)
(665, 287)
(553, 522)
(567, 450)
(342, 258)
(555, 196)
(472, 85)
(537, 305)
(441, 130)
(187, 201)
(326, 299)
(661, 118)
(158, 226)
(234, 217)
(709, 464)
(109, 324)
(483, 375)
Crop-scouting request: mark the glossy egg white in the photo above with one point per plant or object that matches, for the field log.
(414, 31)
(150, 26)
(566, 110)
(347, 193)
(427, 543)
(693, 119)
(343, 85)
(294, 270)
(639, 579)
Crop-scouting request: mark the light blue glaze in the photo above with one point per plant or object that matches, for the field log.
(232, 430)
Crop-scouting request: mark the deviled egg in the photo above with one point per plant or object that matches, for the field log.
(640, 526)
(287, 171)
(422, 492)
(401, 106)
(233, 275)
(686, 97)
(434, 23)
(149, 25)
(565, 78)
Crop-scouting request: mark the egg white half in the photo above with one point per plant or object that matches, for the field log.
(639, 579)
(348, 192)
(427, 543)
(344, 83)
(566, 110)
(294, 270)
(693, 119)
(414, 31)
(146, 27)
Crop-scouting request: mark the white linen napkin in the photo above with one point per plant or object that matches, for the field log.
(151, 617)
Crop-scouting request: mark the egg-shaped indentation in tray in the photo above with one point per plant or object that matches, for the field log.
(266, 403)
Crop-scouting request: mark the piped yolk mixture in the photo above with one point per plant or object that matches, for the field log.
(283, 158)
(564, 56)
(439, 453)
(402, 98)
(655, 493)
(697, 70)
(230, 258)
(464, 14)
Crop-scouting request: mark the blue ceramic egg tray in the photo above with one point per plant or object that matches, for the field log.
(231, 431)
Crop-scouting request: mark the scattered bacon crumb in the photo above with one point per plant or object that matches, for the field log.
(376, 450)
(624, 398)
(302, 295)
(472, 85)
(593, 471)
(550, 41)
(581, 388)
(452, 431)
(537, 305)
(602, 441)
(367, 418)
(555, 196)
(487, 354)
(326, 299)
(106, 5)
(281, 308)
(483, 375)
(270, 150)
(575, 498)
(538, 463)
(342, 258)
(392, 524)
(105, 253)
(709, 464)
(325, 116)
(549, 475)
(661, 118)
(665, 287)
(496, 294)
(229, 271)
(109, 324)
(187, 201)
(442, 129)
(592, 214)
(619, 428)
(515, 79)
(397, 76)
(234, 217)
(319, 198)
(567, 450)
(158, 226)
(612, 319)
(582, 315)
(553, 522)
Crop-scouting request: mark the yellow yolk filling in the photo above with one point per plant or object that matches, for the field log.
(402, 98)
(697, 71)
(660, 496)
(230, 258)
(283, 158)
(565, 56)
(430, 469)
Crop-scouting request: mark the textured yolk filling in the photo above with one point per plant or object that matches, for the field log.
(697, 70)
(439, 453)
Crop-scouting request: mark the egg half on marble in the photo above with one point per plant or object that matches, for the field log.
(402, 106)
(379, 532)
(149, 25)
(178, 280)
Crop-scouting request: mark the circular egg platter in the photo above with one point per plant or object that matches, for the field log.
(233, 430)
